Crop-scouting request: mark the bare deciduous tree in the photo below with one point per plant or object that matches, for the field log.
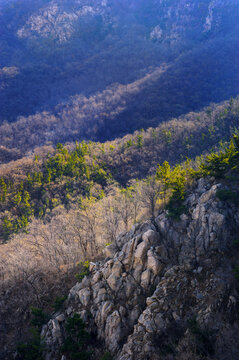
(150, 192)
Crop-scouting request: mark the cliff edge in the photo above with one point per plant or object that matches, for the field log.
(166, 290)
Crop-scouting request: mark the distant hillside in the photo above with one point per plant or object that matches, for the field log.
(63, 61)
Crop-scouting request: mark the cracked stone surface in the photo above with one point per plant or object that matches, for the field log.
(161, 274)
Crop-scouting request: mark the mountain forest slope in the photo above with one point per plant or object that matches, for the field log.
(193, 231)
(119, 174)
(101, 69)
(35, 185)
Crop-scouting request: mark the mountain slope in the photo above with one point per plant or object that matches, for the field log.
(33, 186)
(52, 50)
(166, 289)
(38, 265)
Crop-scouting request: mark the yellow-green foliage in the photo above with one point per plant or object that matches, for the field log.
(58, 179)
(65, 176)
(220, 164)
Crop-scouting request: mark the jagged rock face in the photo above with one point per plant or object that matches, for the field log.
(166, 21)
(155, 280)
(58, 20)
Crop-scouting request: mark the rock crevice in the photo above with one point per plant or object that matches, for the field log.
(161, 275)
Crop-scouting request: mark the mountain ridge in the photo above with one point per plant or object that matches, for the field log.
(158, 279)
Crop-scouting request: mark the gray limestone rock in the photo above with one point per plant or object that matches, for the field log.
(155, 280)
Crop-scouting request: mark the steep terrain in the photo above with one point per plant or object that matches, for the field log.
(112, 67)
(114, 112)
(33, 186)
(166, 289)
(68, 208)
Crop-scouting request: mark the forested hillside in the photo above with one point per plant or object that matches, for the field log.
(119, 170)
(88, 212)
(37, 184)
(60, 206)
(97, 70)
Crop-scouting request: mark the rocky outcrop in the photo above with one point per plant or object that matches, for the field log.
(59, 19)
(166, 288)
